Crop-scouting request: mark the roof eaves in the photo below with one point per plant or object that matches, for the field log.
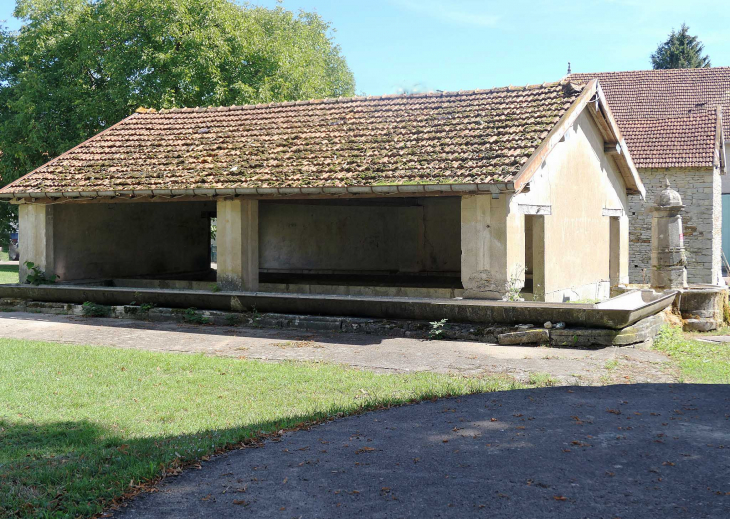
(68, 152)
(530, 167)
(720, 143)
(631, 175)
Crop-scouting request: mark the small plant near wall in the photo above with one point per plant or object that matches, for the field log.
(437, 329)
(233, 319)
(36, 276)
(515, 284)
(191, 315)
(146, 307)
(90, 309)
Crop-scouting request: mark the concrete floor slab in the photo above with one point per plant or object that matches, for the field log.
(386, 354)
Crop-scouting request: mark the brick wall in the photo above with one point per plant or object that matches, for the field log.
(701, 193)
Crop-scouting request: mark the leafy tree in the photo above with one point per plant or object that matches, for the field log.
(78, 66)
(681, 50)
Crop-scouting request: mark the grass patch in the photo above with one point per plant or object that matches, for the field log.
(8, 274)
(541, 379)
(82, 425)
(611, 365)
(723, 330)
(698, 361)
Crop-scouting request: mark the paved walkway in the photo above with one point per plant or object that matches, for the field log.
(640, 451)
(567, 366)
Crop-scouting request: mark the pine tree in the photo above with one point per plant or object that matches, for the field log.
(681, 50)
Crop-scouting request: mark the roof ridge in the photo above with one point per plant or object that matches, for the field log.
(352, 99)
(659, 71)
(705, 113)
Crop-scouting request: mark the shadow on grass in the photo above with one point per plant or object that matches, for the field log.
(72, 469)
(78, 468)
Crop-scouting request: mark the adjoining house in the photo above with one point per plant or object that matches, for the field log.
(673, 124)
(464, 193)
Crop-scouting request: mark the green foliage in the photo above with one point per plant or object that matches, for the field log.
(191, 315)
(515, 284)
(90, 309)
(698, 361)
(79, 423)
(680, 50)
(233, 319)
(540, 379)
(78, 66)
(146, 307)
(437, 329)
(36, 276)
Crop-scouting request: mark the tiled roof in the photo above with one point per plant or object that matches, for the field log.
(683, 142)
(668, 95)
(482, 136)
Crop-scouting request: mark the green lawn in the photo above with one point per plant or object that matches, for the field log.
(701, 362)
(79, 424)
(8, 274)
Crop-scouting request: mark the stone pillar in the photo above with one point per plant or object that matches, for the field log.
(238, 245)
(35, 238)
(668, 261)
(488, 250)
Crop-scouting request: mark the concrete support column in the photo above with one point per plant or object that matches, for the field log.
(238, 245)
(492, 247)
(35, 236)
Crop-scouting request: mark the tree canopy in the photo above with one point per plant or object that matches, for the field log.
(78, 66)
(680, 50)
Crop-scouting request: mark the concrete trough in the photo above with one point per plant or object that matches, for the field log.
(617, 316)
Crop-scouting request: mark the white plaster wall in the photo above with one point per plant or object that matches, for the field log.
(411, 235)
(35, 228)
(578, 181)
(701, 192)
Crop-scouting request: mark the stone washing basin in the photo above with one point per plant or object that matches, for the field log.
(616, 313)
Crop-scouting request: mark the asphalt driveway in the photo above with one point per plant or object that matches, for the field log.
(628, 451)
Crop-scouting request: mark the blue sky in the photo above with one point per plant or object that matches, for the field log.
(466, 44)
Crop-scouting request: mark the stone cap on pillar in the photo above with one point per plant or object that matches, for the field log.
(668, 197)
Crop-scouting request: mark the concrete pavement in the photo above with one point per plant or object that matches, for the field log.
(387, 354)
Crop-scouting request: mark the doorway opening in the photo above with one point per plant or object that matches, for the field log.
(534, 257)
(614, 258)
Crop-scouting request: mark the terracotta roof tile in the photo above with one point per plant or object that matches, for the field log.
(684, 142)
(670, 96)
(481, 136)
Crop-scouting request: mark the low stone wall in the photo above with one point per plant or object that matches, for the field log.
(640, 333)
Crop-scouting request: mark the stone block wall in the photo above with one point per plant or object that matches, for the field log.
(701, 193)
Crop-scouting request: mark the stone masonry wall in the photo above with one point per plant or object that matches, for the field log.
(701, 194)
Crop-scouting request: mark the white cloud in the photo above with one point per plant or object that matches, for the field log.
(458, 12)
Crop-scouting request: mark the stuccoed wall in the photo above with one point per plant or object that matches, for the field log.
(360, 236)
(701, 193)
(92, 241)
(578, 181)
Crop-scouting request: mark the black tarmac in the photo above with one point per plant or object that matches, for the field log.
(627, 451)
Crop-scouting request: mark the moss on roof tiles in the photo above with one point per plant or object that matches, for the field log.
(456, 137)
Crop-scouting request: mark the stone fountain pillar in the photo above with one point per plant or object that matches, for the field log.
(668, 260)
